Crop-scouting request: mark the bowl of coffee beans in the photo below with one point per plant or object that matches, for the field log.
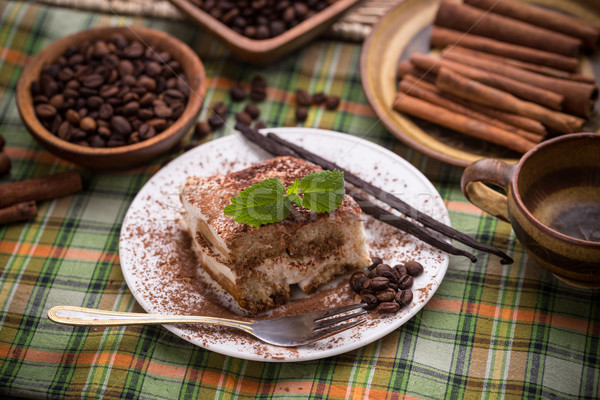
(113, 97)
(260, 31)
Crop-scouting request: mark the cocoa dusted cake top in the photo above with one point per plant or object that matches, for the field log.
(212, 194)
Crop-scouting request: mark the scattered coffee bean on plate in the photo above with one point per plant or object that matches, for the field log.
(332, 102)
(110, 92)
(303, 98)
(386, 288)
(237, 93)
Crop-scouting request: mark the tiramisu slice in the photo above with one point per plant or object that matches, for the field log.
(257, 265)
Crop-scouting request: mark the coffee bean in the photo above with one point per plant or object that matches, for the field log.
(303, 98)
(97, 141)
(64, 130)
(414, 268)
(389, 307)
(244, 118)
(153, 69)
(258, 93)
(357, 281)
(202, 130)
(379, 283)
(252, 110)
(401, 269)
(376, 261)
(332, 102)
(88, 124)
(216, 121)
(72, 116)
(237, 93)
(259, 125)
(404, 297)
(388, 294)
(45, 111)
(93, 81)
(146, 131)
(301, 114)
(220, 108)
(94, 102)
(258, 82)
(405, 282)
(120, 125)
(370, 300)
(319, 98)
(387, 272)
(105, 111)
(5, 164)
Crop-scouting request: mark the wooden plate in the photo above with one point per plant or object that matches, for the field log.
(267, 50)
(405, 30)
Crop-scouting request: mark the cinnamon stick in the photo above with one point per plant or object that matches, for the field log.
(18, 212)
(579, 97)
(408, 68)
(461, 123)
(461, 86)
(434, 96)
(465, 18)
(519, 121)
(523, 90)
(39, 189)
(540, 69)
(448, 37)
(392, 200)
(543, 17)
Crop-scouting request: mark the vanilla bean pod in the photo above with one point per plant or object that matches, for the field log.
(394, 201)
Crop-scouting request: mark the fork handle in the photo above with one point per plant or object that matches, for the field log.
(82, 316)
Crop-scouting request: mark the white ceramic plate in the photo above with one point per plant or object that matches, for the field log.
(155, 257)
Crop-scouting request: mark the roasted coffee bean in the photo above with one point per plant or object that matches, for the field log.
(404, 297)
(105, 111)
(108, 91)
(145, 114)
(64, 130)
(370, 300)
(303, 98)
(57, 101)
(301, 114)
(72, 116)
(97, 141)
(237, 93)
(389, 307)
(88, 124)
(258, 93)
(388, 294)
(163, 111)
(244, 118)
(387, 272)
(39, 99)
(146, 131)
(93, 81)
(332, 102)
(405, 282)
(220, 108)
(252, 110)
(147, 99)
(258, 82)
(357, 281)
(401, 269)
(45, 111)
(94, 102)
(157, 123)
(216, 121)
(375, 262)
(414, 268)
(153, 69)
(77, 134)
(120, 125)
(202, 130)
(319, 98)
(5, 164)
(379, 283)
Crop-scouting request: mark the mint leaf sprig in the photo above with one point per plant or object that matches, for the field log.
(269, 201)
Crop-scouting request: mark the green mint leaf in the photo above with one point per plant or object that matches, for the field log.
(323, 191)
(262, 203)
(293, 193)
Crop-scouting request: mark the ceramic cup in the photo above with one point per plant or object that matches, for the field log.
(552, 202)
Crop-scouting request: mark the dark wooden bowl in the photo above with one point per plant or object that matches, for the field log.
(265, 51)
(123, 156)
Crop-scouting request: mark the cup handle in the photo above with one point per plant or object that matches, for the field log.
(491, 171)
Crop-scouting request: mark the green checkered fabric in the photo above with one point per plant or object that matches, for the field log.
(489, 332)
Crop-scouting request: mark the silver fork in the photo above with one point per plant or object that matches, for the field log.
(291, 331)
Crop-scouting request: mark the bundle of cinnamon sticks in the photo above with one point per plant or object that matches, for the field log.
(507, 73)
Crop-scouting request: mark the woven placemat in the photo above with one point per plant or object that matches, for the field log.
(354, 26)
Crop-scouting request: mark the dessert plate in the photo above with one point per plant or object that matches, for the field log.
(163, 275)
(405, 30)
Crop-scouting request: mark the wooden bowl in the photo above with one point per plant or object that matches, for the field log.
(123, 156)
(265, 51)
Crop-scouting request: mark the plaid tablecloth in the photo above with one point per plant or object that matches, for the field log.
(490, 331)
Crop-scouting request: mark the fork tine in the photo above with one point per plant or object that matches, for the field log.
(324, 323)
(338, 310)
(336, 329)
